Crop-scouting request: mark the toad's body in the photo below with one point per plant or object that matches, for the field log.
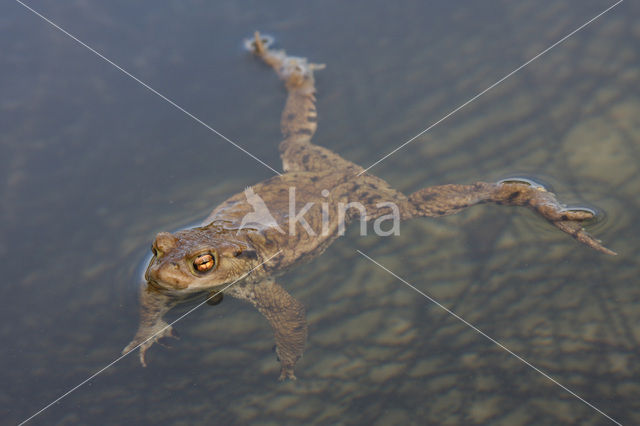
(258, 234)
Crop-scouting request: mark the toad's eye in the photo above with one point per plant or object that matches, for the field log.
(204, 262)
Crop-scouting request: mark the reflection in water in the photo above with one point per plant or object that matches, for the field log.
(93, 167)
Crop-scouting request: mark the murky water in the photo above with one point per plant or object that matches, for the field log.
(93, 165)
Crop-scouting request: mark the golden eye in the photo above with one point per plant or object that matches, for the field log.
(204, 262)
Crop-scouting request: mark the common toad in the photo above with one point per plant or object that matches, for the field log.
(260, 233)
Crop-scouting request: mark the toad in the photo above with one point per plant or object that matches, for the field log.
(258, 234)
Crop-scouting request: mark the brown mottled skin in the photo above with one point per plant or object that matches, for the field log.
(246, 259)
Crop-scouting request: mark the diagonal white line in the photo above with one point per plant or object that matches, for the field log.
(145, 85)
(492, 86)
(482, 333)
(152, 336)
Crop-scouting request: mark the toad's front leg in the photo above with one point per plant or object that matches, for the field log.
(286, 316)
(153, 305)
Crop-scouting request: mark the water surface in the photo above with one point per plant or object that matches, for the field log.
(93, 165)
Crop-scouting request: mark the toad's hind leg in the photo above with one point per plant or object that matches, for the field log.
(450, 199)
(299, 117)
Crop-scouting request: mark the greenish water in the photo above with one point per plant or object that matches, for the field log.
(92, 165)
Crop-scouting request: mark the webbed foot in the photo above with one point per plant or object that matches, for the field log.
(147, 336)
(575, 229)
(450, 199)
(296, 71)
(258, 44)
(537, 197)
(286, 373)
